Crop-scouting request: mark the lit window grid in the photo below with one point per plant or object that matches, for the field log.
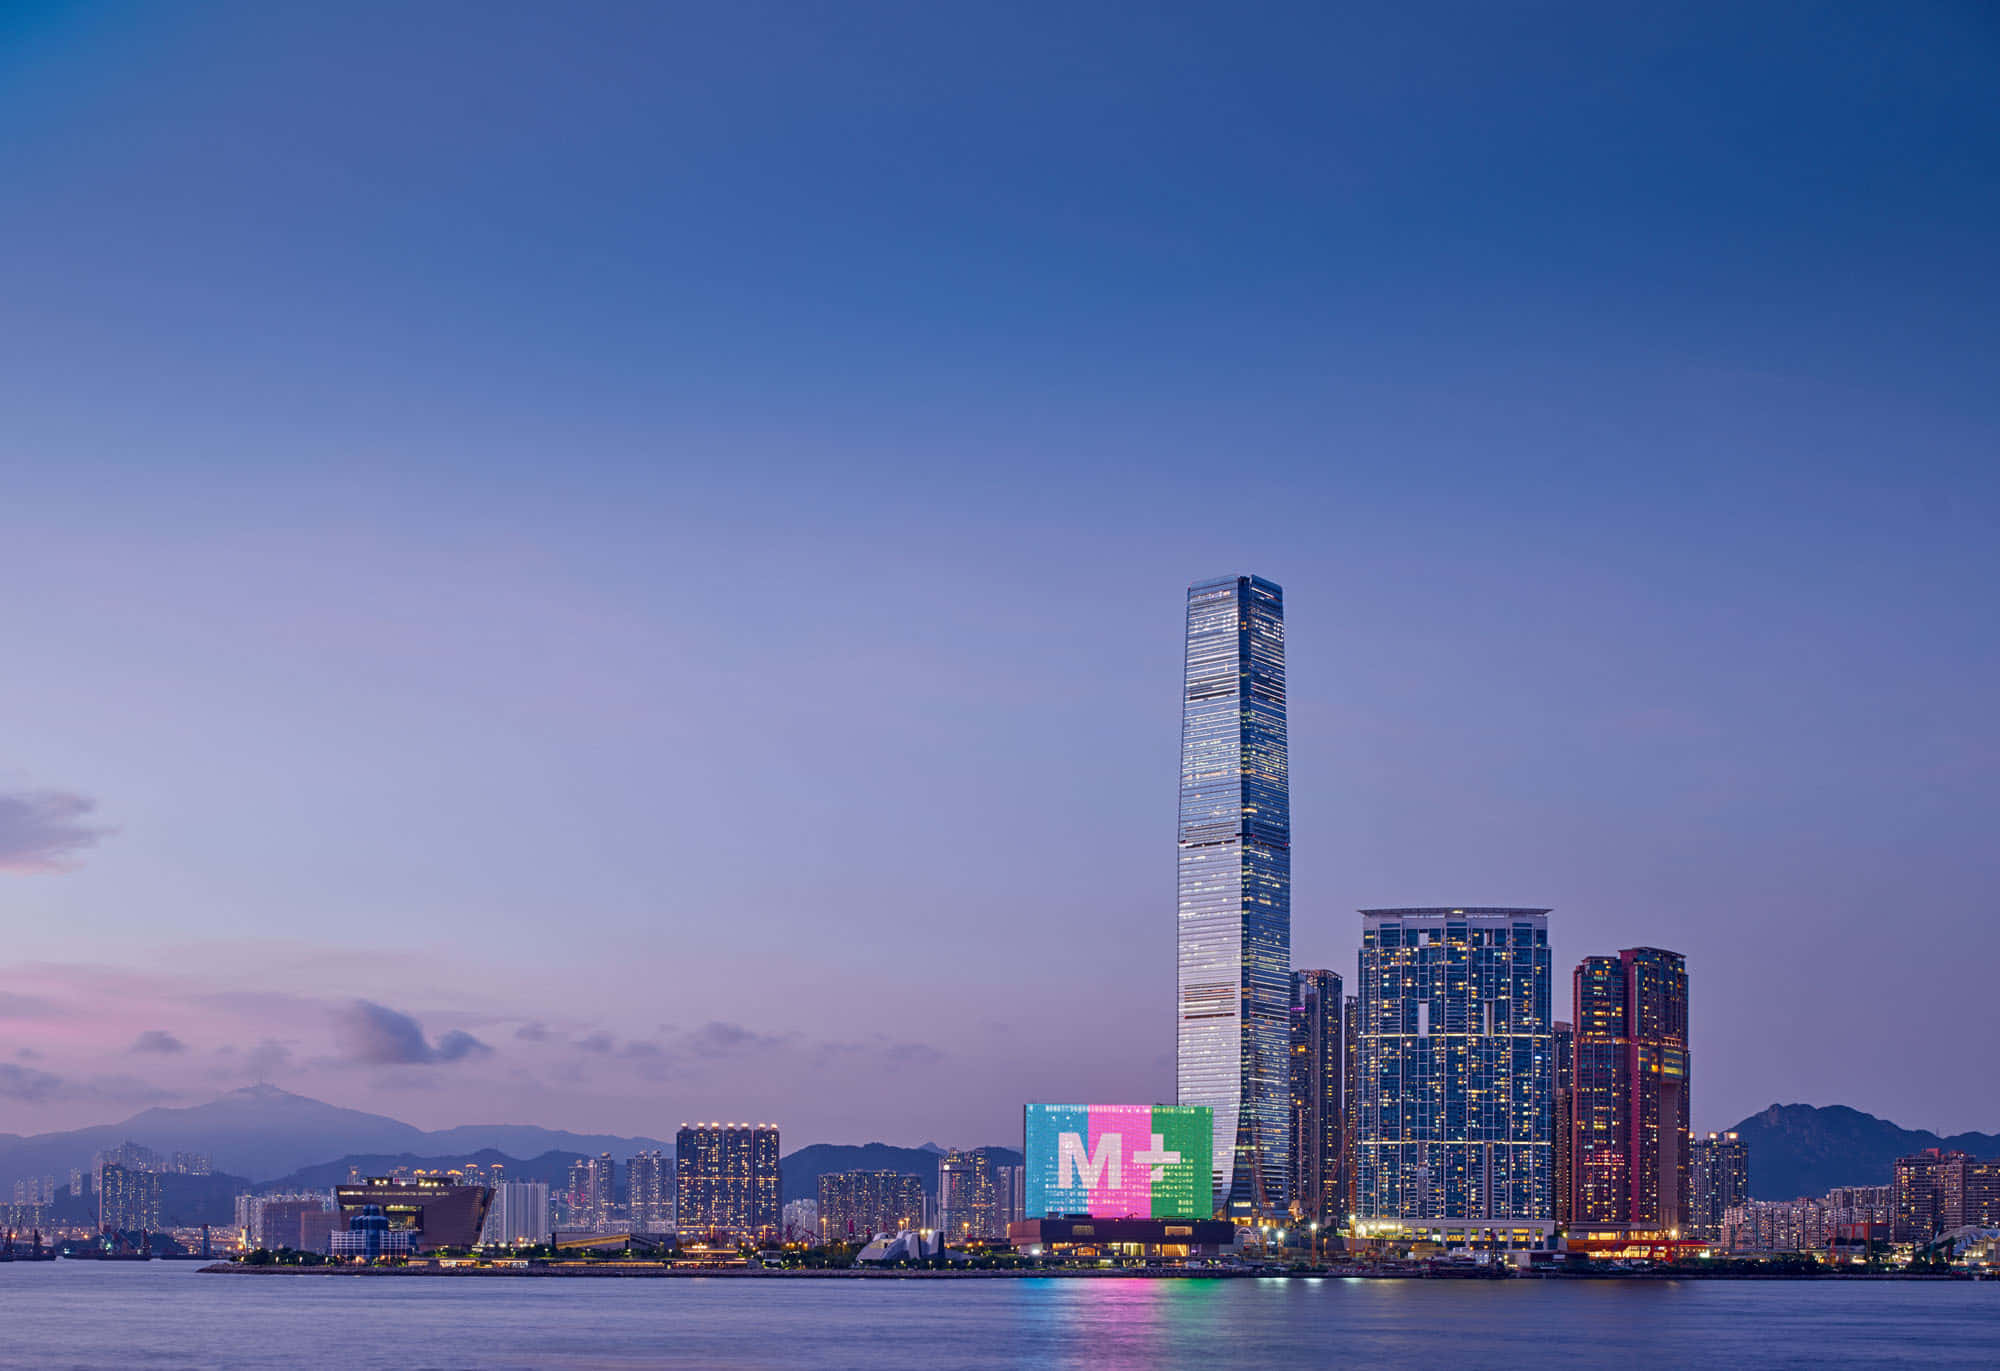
(1453, 1123)
(1234, 926)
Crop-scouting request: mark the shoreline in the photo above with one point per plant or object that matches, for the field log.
(638, 1271)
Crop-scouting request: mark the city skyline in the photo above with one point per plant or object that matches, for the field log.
(528, 613)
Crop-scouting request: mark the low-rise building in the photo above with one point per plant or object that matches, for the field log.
(441, 1213)
(1094, 1240)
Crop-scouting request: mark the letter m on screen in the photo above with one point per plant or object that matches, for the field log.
(1078, 1167)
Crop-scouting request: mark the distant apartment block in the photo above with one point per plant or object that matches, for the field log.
(589, 1200)
(972, 1205)
(519, 1215)
(1938, 1191)
(1807, 1225)
(128, 1200)
(1564, 1118)
(857, 1205)
(1720, 1181)
(649, 1190)
(801, 1221)
(726, 1179)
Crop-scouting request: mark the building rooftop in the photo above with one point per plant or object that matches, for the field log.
(1446, 911)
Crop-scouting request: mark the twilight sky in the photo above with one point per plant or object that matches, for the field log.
(603, 565)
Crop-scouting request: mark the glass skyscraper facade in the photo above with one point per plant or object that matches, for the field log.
(1454, 1074)
(1235, 876)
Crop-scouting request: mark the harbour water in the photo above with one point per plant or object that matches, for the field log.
(167, 1314)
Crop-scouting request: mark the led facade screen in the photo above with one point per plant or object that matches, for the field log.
(1119, 1161)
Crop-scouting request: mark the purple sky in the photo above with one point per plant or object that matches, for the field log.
(609, 570)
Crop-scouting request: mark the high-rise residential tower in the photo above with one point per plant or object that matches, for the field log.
(1563, 1123)
(649, 1186)
(726, 1179)
(970, 1206)
(1235, 876)
(1455, 1075)
(1630, 1161)
(1350, 1072)
(1318, 1052)
(519, 1214)
(1719, 1181)
(855, 1206)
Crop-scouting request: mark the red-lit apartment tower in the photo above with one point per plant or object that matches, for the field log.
(1629, 1094)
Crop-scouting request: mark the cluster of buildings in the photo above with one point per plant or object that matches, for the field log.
(1443, 1100)
(722, 1183)
(125, 1185)
(1843, 1216)
(131, 1185)
(1936, 1193)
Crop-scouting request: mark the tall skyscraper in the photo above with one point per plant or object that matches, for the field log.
(1318, 1054)
(1630, 1168)
(1563, 1123)
(726, 1179)
(649, 1193)
(1719, 1181)
(1235, 877)
(1455, 1076)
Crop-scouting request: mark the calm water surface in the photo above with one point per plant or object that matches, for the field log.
(165, 1314)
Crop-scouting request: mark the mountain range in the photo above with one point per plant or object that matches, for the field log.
(799, 1172)
(1805, 1150)
(272, 1136)
(264, 1133)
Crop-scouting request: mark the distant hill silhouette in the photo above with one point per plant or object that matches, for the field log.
(552, 1167)
(1803, 1149)
(800, 1172)
(263, 1133)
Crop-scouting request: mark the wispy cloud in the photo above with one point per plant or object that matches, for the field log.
(42, 830)
(160, 1041)
(267, 1059)
(26, 1084)
(370, 1034)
